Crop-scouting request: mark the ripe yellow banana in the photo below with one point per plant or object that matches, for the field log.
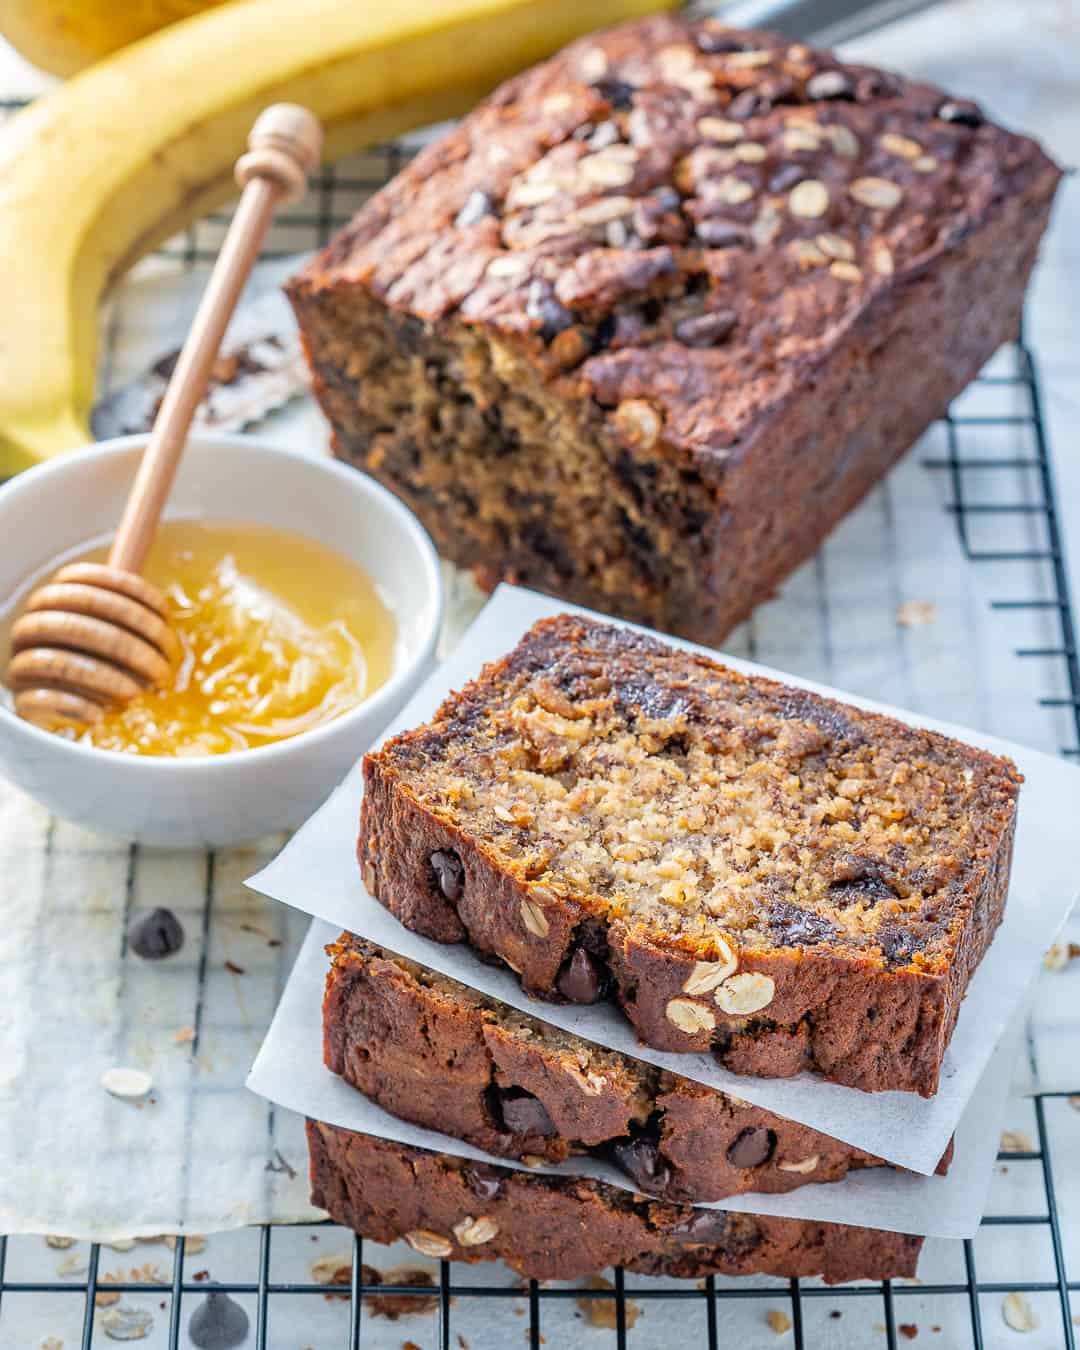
(63, 36)
(96, 173)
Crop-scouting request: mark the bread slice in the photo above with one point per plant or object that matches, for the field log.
(747, 868)
(438, 1054)
(561, 1228)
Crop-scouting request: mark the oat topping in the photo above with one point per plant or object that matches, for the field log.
(807, 253)
(836, 246)
(719, 129)
(882, 260)
(879, 193)
(802, 136)
(717, 145)
(902, 146)
(844, 141)
(808, 199)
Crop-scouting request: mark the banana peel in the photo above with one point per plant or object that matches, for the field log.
(98, 172)
(64, 36)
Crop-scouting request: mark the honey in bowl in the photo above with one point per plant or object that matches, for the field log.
(279, 635)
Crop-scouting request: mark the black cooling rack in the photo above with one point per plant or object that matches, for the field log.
(1024, 488)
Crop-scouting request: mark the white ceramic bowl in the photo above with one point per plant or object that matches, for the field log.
(220, 799)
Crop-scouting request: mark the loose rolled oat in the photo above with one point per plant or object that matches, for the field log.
(1018, 1313)
(879, 193)
(128, 1084)
(127, 1323)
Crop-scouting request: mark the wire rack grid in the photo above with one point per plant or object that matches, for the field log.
(1024, 489)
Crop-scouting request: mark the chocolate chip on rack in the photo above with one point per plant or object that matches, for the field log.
(156, 935)
(218, 1323)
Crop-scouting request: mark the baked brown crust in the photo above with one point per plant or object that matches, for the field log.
(642, 328)
(854, 907)
(434, 1052)
(561, 1228)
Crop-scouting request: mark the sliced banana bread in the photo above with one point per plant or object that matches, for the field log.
(436, 1053)
(747, 868)
(560, 1228)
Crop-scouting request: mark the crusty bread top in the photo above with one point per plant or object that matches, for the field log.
(681, 218)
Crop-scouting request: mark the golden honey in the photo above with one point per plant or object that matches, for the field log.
(279, 635)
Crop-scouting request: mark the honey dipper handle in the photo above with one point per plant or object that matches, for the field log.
(284, 146)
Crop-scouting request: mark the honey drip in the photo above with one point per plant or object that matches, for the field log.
(279, 635)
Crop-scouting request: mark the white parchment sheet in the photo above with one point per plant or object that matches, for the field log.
(289, 1070)
(317, 872)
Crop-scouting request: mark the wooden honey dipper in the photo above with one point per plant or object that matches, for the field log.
(97, 634)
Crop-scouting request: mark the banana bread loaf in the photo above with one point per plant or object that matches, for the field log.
(435, 1052)
(747, 868)
(642, 328)
(560, 1228)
